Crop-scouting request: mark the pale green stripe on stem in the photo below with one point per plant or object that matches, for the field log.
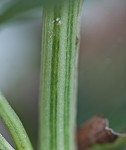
(59, 76)
(14, 125)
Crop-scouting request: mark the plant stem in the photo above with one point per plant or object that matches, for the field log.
(14, 125)
(59, 76)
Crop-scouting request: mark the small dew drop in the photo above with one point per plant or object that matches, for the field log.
(58, 21)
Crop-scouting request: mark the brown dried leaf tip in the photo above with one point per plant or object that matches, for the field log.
(96, 131)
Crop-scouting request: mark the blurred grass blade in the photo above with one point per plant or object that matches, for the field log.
(4, 145)
(120, 144)
(17, 8)
(14, 125)
(20, 6)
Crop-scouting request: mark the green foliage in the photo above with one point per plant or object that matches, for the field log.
(15, 8)
(4, 145)
(120, 144)
(14, 125)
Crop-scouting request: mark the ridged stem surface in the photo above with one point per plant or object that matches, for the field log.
(58, 86)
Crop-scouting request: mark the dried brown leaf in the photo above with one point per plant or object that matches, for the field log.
(96, 131)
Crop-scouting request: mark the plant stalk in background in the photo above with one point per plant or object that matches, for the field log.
(58, 84)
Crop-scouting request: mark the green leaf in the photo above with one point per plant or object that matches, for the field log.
(20, 6)
(14, 125)
(4, 145)
(120, 144)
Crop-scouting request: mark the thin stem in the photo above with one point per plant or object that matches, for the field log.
(14, 125)
(59, 76)
(4, 145)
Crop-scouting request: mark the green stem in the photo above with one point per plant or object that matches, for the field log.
(14, 125)
(59, 76)
(4, 145)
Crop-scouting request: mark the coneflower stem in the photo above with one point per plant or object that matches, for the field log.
(58, 84)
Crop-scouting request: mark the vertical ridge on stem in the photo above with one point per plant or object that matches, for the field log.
(58, 76)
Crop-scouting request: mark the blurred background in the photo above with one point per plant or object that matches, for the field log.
(102, 62)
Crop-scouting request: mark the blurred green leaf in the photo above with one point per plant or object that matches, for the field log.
(20, 6)
(120, 144)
